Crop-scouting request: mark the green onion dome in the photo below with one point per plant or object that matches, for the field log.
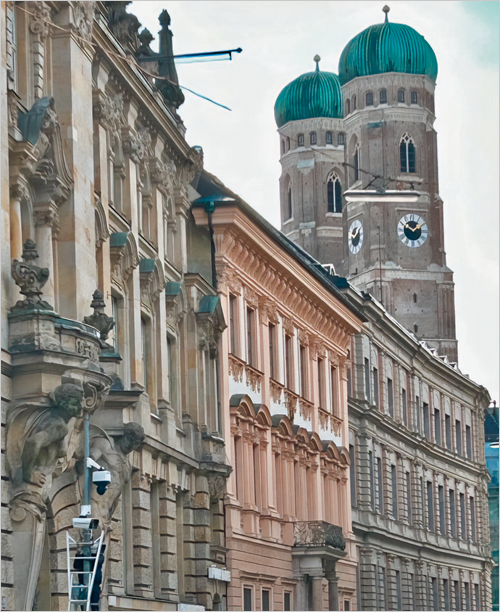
(387, 47)
(313, 94)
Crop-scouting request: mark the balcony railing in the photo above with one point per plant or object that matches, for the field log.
(318, 533)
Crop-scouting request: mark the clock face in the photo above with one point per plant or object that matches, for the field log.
(412, 230)
(355, 239)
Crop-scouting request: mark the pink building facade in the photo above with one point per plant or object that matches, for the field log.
(284, 404)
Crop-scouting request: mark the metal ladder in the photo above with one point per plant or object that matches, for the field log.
(80, 582)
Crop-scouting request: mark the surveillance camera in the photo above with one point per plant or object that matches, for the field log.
(85, 522)
(101, 479)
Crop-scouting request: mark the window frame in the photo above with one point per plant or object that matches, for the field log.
(369, 98)
(333, 194)
(328, 138)
(383, 99)
(414, 97)
(300, 140)
(401, 96)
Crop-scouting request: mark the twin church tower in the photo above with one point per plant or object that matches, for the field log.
(359, 183)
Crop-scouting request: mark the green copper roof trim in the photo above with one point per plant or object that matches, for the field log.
(172, 288)
(147, 265)
(208, 303)
(314, 94)
(118, 239)
(387, 47)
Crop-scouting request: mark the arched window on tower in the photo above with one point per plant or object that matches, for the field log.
(355, 163)
(401, 95)
(289, 204)
(369, 99)
(334, 194)
(288, 143)
(347, 107)
(282, 147)
(328, 138)
(300, 140)
(407, 154)
(354, 103)
(383, 96)
(313, 138)
(414, 98)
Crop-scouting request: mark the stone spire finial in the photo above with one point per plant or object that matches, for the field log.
(30, 278)
(99, 319)
(386, 10)
(317, 59)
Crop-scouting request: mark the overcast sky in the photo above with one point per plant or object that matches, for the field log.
(279, 40)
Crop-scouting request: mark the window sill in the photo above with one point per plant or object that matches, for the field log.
(335, 215)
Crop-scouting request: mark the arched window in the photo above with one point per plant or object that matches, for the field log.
(328, 138)
(313, 139)
(369, 99)
(341, 138)
(407, 154)
(300, 140)
(289, 204)
(355, 163)
(401, 95)
(383, 96)
(347, 107)
(354, 103)
(334, 194)
(415, 298)
(414, 98)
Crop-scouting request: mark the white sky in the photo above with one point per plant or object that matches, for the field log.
(279, 40)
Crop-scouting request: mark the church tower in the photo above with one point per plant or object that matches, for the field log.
(391, 227)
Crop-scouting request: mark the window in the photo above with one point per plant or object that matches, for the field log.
(458, 598)
(272, 351)
(414, 298)
(394, 481)
(347, 605)
(375, 386)
(379, 486)
(468, 442)
(144, 352)
(430, 506)
(265, 599)
(477, 597)
(453, 524)
(349, 382)
(442, 515)
(427, 428)
(169, 369)
(407, 154)
(458, 430)
(408, 497)
(413, 97)
(313, 138)
(288, 601)
(303, 371)
(434, 587)
(390, 397)
(321, 392)
(250, 336)
(372, 480)
(417, 410)
(347, 107)
(383, 96)
(288, 362)
(398, 590)
(341, 139)
(282, 147)
(355, 163)
(467, 596)
(463, 517)
(447, 430)
(334, 194)
(289, 209)
(328, 138)
(352, 474)
(369, 99)
(401, 95)
(300, 140)
(367, 379)
(288, 143)
(354, 105)
(446, 593)
(247, 599)
(334, 390)
(472, 519)
(115, 314)
(233, 319)
(437, 426)
(404, 406)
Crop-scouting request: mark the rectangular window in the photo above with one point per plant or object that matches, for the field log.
(477, 597)
(115, 314)
(394, 481)
(430, 506)
(265, 599)
(300, 140)
(313, 139)
(352, 474)
(398, 590)
(303, 371)
(288, 601)
(383, 96)
(413, 97)
(453, 518)
(144, 350)
(447, 429)
(467, 596)
(369, 99)
(328, 138)
(272, 351)
(437, 426)
(288, 362)
(408, 497)
(472, 519)
(333, 390)
(250, 336)
(427, 426)
(390, 397)
(401, 95)
(442, 511)
(463, 517)
(247, 599)
(349, 382)
(446, 593)
(468, 442)
(341, 139)
(367, 379)
(169, 369)
(321, 392)
(347, 605)
(372, 481)
(458, 436)
(379, 486)
(375, 387)
(434, 587)
(404, 405)
(458, 598)
(233, 321)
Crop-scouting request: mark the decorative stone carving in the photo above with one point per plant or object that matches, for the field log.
(40, 22)
(99, 319)
(137, 145)
(109, 110)
(304, 337)
(216, 484)
(169, 85)
(87, 349)
(30, 278)
(112, 453)
(268, 310)
(251, 297)
(291, 404)
(162, 174)
(288, 326)
(276, 389)
(83, 18)
(253, 378)
(305, 409)
(123, 25)
(236, 368)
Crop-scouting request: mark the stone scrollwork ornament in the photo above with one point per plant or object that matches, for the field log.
(30, 278)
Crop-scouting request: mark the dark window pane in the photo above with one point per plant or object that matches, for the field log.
(330, 195)
(430, 506)
(247, 599)
(369, 99)
(341, 139)
(352, 474)
(300, 140)
(401, 95)
(313, 139)
(411, 157)
(413, 97)
(367, 379)
(265, 599)
(383, 96)
(288, 602)
(390, 397)
(338, 196)
(328, 138)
